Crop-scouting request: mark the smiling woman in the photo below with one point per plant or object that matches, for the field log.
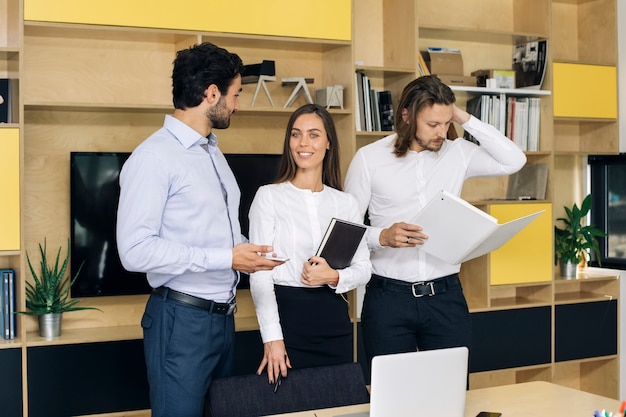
(292, 215)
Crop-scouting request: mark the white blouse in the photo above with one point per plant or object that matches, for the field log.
(293, 221)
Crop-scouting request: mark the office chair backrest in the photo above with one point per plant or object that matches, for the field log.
(303, 389)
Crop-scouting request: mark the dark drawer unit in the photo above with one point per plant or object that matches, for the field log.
(585, 330)
(80, 379)
(94, 378)
(11, 385)
(510, 338)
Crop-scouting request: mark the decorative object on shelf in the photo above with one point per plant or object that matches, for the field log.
(331, 96)
(49, 296)
(300, 85)
(573, 242)
(494, 78)
(260, 73)
(261, 83)
(530, 60)
(252, 72)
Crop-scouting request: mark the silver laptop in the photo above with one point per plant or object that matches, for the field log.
(418, 384)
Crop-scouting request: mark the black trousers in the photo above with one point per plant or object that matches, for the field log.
(316, 326)
(396, 321)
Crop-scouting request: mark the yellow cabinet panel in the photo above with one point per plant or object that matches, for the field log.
(584, 91)
(319, 19)
(527, 257)
(10, 189)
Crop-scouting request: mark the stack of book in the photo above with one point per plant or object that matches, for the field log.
(7, 303)
(516, 117)
(374, 108)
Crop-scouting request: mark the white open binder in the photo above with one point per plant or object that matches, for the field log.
(457, 231)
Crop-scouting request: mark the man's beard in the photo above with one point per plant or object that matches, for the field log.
(219, 116)
(427, 145)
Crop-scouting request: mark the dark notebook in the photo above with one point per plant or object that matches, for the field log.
(340, 242)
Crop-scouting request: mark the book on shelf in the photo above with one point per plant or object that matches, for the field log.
(516, 117)
(373, 108)
(7, 303)
(340, 242)
(386, 111)
(529, 63)
(534, 118)
(519, 133)
(457, 231)
(367, 106)
(375, 100)
(360, 102)
(422, 66)
(358, 106)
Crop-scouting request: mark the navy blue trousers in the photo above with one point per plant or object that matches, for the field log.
(398, 322)
(185, 348)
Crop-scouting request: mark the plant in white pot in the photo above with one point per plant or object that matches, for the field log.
(573, 242)
(48, 296)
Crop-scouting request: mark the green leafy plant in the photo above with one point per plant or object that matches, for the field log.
(574, 241)
(50, 292)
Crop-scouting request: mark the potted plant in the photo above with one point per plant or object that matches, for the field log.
(573, 242)
(49, 295)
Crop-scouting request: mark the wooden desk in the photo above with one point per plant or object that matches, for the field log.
(530, 399)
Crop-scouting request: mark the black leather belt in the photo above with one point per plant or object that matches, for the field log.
(417, 289)
(208, 305)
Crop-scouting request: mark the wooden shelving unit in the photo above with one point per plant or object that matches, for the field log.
(107, 87)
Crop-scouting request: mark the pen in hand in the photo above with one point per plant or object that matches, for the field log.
(279, 380)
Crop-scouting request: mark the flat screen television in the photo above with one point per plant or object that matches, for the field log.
(251, 172)
(94, 195)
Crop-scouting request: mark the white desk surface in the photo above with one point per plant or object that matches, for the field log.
(530, 399)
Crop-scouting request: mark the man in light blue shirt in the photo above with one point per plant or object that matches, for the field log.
(178, 223)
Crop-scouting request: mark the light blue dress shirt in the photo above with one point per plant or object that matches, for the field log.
(174, 222)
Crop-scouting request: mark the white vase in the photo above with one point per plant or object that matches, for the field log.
(50, 325)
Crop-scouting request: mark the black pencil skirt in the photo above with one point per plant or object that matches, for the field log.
(316, 326)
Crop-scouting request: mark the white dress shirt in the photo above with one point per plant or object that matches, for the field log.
(394, 189)
(294, 221)
(173, 221)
